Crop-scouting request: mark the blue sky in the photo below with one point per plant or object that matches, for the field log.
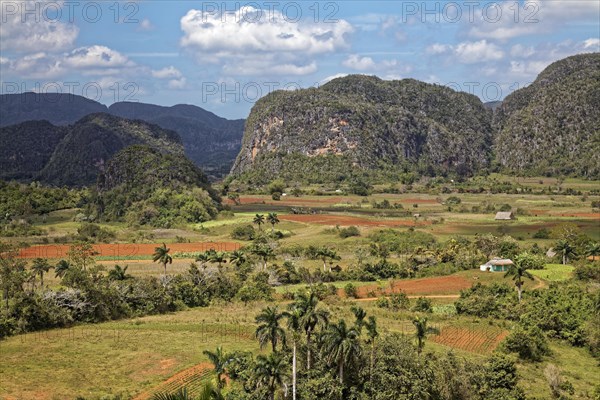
(222, 56)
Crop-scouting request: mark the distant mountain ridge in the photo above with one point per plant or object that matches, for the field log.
(210, 141)
(74, 155)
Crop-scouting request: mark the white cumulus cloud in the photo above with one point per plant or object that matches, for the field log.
(251, 36)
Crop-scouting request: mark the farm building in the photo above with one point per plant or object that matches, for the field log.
(496, 265)
(504, 216)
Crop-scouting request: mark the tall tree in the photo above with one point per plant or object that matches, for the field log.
(325, 253)
(565, 249)
(162, 256)
(372, 335)
(518, 271)
(61, 268)
(203, 258)
(294, 317)
(269, 329)
(270, 371)
(341, 345)
(265, 252)
(422, 330)
(273, 220)
(593, 250)
(238, 258)
(259, 219)
(218, 257)
(360, 316)
(219, 359)
(311, 317)
(39, 267)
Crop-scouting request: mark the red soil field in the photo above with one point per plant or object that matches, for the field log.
(185, 378)
(440, 285)
(291, 200)
(476, 340)
(578, 215)
(343, 220)
(125, 249)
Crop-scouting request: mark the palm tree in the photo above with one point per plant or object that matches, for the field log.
(259, 219)
(207, 392)
(272, 218)
(311, 317)
(294, 316)
(592, 250)
(341, 345)
(39, 266)
(265, 253)
(218, 257)
(238, 258)
(565, 249)
(270, 371)
(360, 316)
(268, 329)
(518, 271)
(325, 253)
(118, 273)
(203, 258)
(372, 334)
(219, 360)
(420, 324)
(161, 255)
(61, 268)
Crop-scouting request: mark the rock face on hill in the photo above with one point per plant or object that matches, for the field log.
(552, 127)
(364, 123)
(142, 185)
(74, 155)
(210, 141)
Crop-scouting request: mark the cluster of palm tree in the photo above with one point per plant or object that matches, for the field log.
(272, 218)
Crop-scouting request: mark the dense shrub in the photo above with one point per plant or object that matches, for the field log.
(530, 344)
(246, 232)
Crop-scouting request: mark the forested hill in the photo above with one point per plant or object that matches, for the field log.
(144, 186)
(362, 125)
(552, 127)
(210, 141)
(73, 155)
(365, 123)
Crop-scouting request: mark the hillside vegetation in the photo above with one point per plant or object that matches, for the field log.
(365, 123)
(143, 186)
(552, 127)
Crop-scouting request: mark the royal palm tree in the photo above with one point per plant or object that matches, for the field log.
(259, 219)
(61, 268)
(265, 252)
(269, 329)
(218, 257)
(238, 258)
(270, 372)
(593, 250)
(311, 317)
(203, 258)
(372, 335)
(420, 324)
(565, 249)
(273, 219)
(360, 316)
(219, 360)
(340, 345)
(161, 255)
(325, 253)
(118, 273)
(518, 271)
(39, 267)
(294, 317)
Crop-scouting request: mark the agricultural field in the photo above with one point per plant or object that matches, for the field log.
(397, 256)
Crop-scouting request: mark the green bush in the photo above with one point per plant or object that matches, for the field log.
(351, 291)
(423, 304)
(530, 344)
(349, 232)
(246, 232)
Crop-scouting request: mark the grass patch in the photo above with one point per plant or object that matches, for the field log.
(554, 272)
